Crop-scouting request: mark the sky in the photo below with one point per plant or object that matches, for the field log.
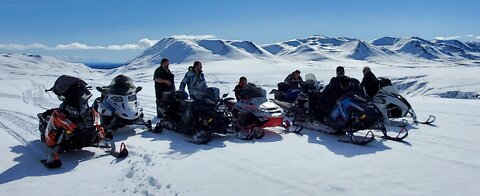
(119, 30)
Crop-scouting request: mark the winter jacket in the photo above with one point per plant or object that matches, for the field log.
(164, 74)
(370, 83)
(294, 83)
(194, 82)
(238, 89)
(335, 89)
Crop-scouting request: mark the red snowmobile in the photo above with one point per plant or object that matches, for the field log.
(74, 124)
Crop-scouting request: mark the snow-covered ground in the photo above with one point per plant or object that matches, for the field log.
(435, 160)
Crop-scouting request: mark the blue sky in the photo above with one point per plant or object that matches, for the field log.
(119, 30)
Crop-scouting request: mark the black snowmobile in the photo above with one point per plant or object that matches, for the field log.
(286, 93)
(351, 113)
(200, 117)
(118, 104)
(74, 124)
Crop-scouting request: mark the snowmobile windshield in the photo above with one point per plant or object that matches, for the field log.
(253, 91)
(64, 83)
(210, 93)
(213, 81)
(121, 85)
(77, 96)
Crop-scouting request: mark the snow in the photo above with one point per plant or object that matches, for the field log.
(385, 41)
(435, 160)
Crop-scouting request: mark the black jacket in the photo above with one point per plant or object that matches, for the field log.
(164, 74)
(335, 89)
(370, 83)
(292, 81)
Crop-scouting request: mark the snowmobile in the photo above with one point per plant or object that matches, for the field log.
(200, 117)
(351, 113)
(392, 105)
(74, 124)
(287, 94)
(254, 112)
(118, 104)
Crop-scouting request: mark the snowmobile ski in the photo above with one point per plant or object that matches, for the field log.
(121, 153)
(358, 140)
(402, 134)
(429, 120)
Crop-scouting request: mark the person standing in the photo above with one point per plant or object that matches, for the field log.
(164, 81)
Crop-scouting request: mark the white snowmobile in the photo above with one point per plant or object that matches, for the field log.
(392, 105)
(118, 104)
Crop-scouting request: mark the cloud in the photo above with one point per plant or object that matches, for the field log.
(448, 38)
(469, 35)
(140, 44)
(75, 46)
(478, 37)
(194, 36)
(145, 42)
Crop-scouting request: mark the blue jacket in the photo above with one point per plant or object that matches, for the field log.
(194, 83)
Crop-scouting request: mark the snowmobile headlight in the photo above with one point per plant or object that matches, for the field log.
(132, 97)
(117, 98)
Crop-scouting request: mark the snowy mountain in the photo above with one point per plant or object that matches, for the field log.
(409, 49)
(314, 48)
(179, 50)
(385, 41)
(360, 50)
(31, 65)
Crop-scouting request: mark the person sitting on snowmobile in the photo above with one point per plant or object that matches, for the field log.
(242, 84)
(164, 82)
(194, 79)
(294, 79)
(369, 82)
(332, 92)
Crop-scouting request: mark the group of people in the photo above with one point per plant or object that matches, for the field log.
(194, 80)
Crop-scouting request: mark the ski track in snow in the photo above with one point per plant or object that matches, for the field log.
(138, 173)
(36, 97)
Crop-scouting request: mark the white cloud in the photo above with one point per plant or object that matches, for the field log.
(140, 44)
(124, 47)
(469, 35)
(448, 38)
(194, 36)
(145, 42)
(76, 46)
(478, 37)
